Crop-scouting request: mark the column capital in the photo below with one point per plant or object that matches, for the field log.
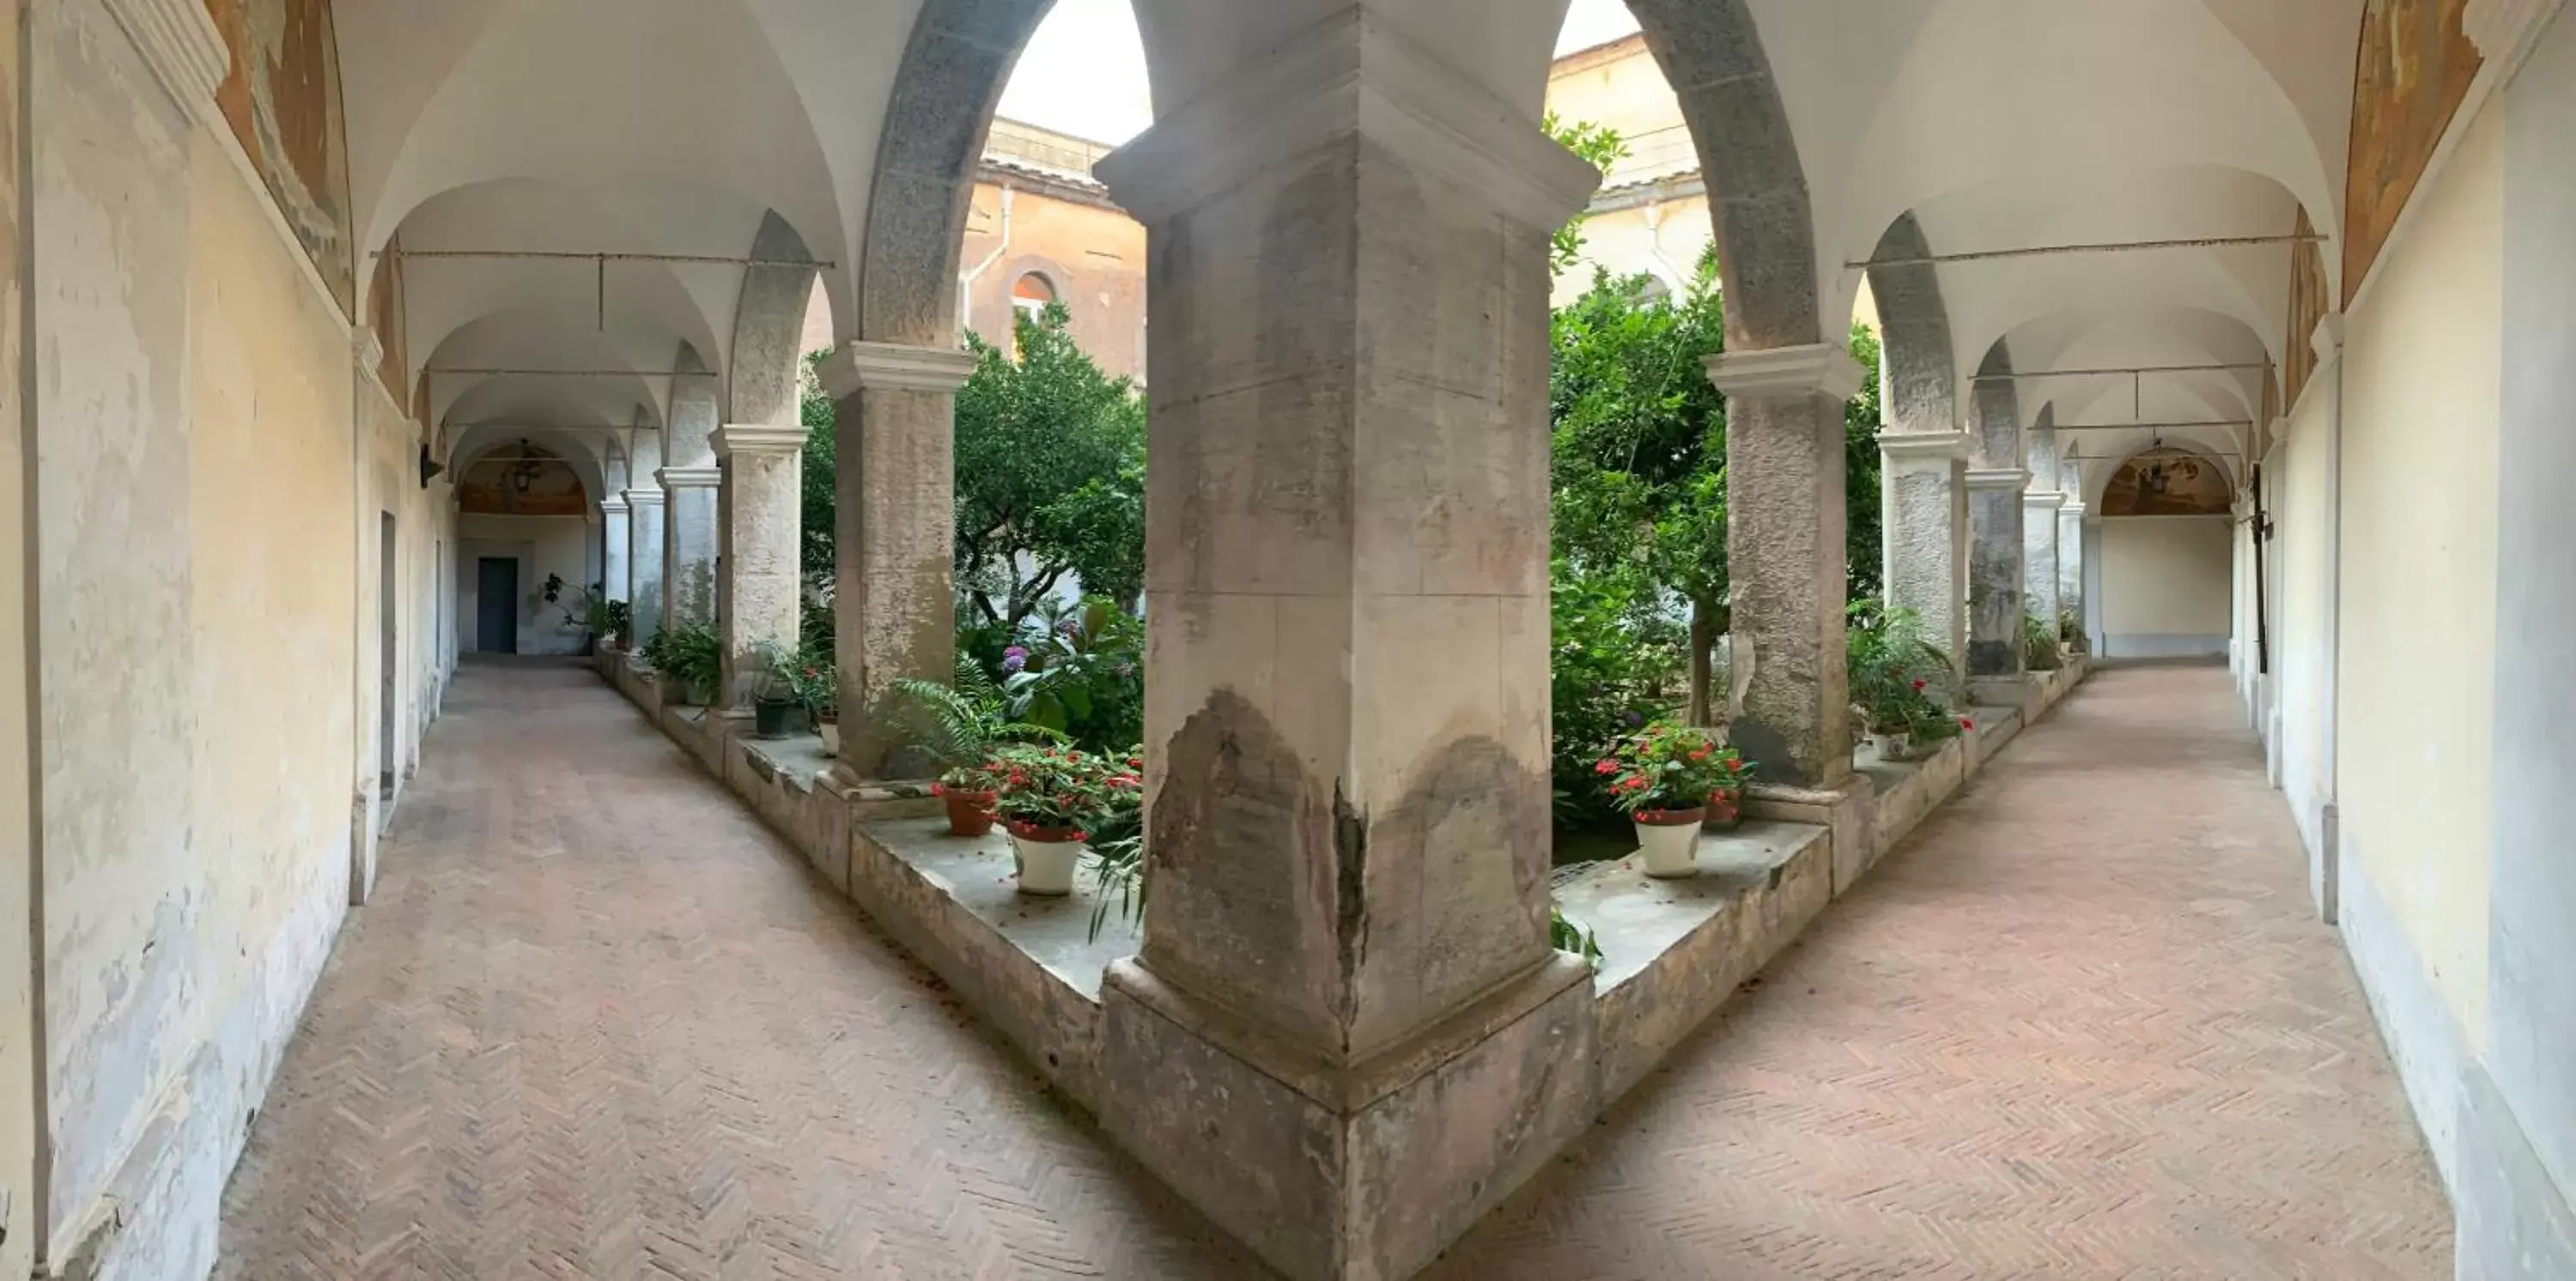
(2073, 506)
(2043, 498)
(179, 41)
(1350, 74)
(755, 438)
(365, 349)
(613, 505)
(690, 477)
(2012, 478)
(1924, 444)
(1819, 369)
(643, 498)
(885, 366)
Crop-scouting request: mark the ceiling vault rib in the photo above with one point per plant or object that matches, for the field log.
(2102, 247)
(2230, 422)
(2124, 371)
(580, 255)
(498, 371)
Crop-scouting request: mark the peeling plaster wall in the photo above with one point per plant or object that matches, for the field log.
(193, 400)
(2418, 587)
(389, 483)
(2167, 586)
(18, 1042)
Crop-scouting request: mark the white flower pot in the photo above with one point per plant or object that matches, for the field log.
(1046, 867)
(1891, 747)
(1670, 849)
(831, 735)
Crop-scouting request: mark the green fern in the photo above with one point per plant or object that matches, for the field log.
(959, 725)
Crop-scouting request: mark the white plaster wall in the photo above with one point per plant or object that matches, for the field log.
(2304, 642)
(2415, 726)
(2166, 586)
(19, 1140)
(542, 545)
(194, 461)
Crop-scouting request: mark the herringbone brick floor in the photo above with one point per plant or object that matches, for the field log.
(599, 1024)
(2083, 1024)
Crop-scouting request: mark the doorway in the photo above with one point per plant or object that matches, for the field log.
(388, 665)
(496, 605)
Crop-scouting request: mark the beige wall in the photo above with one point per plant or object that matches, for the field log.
(2303, 640)
(2166, 576)
(542, 545)
(1094, 257)
(19, 1142)
(2421, 374)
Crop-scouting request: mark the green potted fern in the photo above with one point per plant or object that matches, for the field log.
(960, 727)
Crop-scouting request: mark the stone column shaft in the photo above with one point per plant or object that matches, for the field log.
(644, 560)
(1923, 513)
(613, 544)
(894, 484)
(1346, 969)
(690, 544)
(2039, 554)
(762, 506)
(1995, 578)
(2070, 561)
(1785, 553)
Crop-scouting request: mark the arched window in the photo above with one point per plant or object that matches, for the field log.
(1030, 295)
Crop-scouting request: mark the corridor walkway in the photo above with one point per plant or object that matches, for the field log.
(598, 1023)
(2083, 1024)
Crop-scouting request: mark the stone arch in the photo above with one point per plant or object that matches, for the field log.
(1919, 382)
(1994, 410)
(960, 54)
(1759, 206)
(768, 326)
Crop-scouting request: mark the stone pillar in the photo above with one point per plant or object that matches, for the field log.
(644, 560)
(689, 544)
(1347, 1036)
(2070, 560)
(2039, 553)
(894, 484)
(1785, 557)
(613, 544)
(761, 504)
(1995, 580)
(1923, 512)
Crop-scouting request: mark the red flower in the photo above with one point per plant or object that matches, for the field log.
(1965, 723)
(939, 789)
(1699, 754)
(1918, 686)
(1606, 767)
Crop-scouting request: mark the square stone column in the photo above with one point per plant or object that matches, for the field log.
(2039, 553)
(2070, 560)
(1923, 514)
(761, 504)
(1785, 554)
(1995, 579)
(644, 560)
(613, 544)
(1347, 1036)
(894, 484)
(690, 544)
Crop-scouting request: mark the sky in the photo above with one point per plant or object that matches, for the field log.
(1084, 72)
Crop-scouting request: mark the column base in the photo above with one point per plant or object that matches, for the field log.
(1361, 1173)
(1849, 812)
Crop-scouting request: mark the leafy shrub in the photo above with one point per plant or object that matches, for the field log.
(2039, 650)
(691, 654)
(962, 727)
(1900, 681)
(1669, 767)
(1601, 681)
(1081, 672)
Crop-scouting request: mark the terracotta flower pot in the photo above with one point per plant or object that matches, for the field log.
(1668, 841)
(1045, 858)
(969, 813)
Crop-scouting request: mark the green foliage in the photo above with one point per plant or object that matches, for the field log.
(1565, 934)
(1602, 678)
(821, 511)
(691, 654)
(2070, 630)
(2039, 650)
(610, 618)
(961, 727)
(1601, 147)
(1118, 850)
(1080, 671)
(1900, 681)
(796, 675)
(1050, 474)
(1060, 787)
(1862, 540)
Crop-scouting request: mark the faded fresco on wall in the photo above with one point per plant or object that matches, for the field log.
(521, 480)
(2413, 69)
(283, 101)
(2308, 305)
(2166, 481)
(385, 314)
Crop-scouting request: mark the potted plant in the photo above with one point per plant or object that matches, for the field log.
(1898, 679)
(581, 609)
(2039, 644)
(690, 659)
(775, 692)
(1726, 800)
(960, 727)
(1118, 842)
(1050, 797)
(1661, 778)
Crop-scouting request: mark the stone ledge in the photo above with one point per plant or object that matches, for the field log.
(1673, 951)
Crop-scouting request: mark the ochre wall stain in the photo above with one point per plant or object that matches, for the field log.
(2309, 303)
(2414, 67)
(282, 99)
